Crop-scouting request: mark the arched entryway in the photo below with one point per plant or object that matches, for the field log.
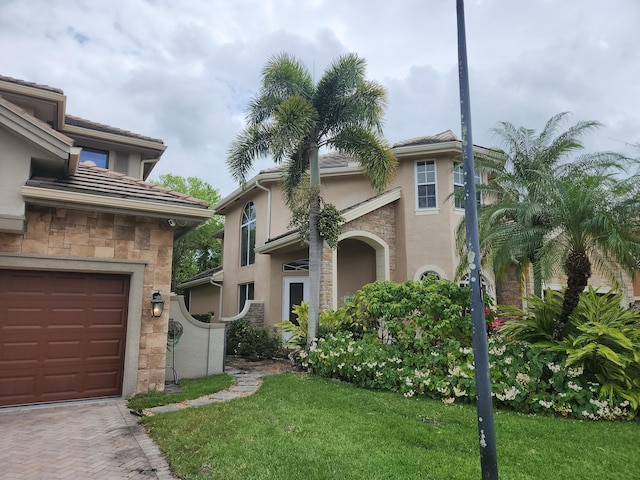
(361, 258)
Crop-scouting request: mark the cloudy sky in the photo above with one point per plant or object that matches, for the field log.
(185, 70)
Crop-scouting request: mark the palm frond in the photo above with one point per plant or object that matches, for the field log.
(371, 151)
(251, 143)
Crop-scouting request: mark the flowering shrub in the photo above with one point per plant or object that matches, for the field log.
(524, 378)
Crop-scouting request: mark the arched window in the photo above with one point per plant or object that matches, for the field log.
(248, 235)
(430, 272)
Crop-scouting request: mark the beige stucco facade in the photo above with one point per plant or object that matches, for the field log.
(384, 237)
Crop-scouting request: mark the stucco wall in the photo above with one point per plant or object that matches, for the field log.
(60, 238)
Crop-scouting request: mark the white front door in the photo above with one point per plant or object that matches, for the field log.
(295, 290)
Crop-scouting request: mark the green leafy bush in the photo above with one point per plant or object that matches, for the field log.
(253, 343)
(410, 312)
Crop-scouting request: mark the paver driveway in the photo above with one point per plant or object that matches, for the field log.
(95, 440)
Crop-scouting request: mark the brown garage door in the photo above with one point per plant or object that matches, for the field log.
(62, 335)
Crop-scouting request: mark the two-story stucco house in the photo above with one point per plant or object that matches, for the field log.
(84, 244)
(403, 233)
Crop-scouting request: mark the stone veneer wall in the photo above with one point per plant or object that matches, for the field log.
(87, 234)
(381, 222)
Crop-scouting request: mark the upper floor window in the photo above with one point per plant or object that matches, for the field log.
(99, 157)
(248, 235)
(426, 184)
(458, 185)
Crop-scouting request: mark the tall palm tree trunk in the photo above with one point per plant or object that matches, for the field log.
(578, 268)
(315, 248)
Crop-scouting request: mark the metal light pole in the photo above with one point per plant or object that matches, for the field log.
(486, 433)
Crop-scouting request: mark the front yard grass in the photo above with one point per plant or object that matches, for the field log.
(191, 389)
(299, 426)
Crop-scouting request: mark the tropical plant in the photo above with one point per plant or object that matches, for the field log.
(196, 250)
(607, 344)
(329, 321)
(595, 224)
(515, 219)
(291, 119)
(602, 338)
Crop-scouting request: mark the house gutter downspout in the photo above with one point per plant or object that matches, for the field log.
(261, 187)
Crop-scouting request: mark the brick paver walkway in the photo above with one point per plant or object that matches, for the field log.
(100, 440)
(93, 440)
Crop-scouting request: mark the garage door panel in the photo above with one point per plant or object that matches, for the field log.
(62, 335)
(19, 352)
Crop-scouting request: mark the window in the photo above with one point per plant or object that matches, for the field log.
(429, 272)
(301, 265)
(248, 235)
(426, 184)
(245, 292)
(99, 157)
(458, 185)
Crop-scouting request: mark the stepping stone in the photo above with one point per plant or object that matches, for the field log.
(199, 402)
(241, 388)
(165, 408)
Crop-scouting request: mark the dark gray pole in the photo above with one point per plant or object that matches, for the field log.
(486, 434)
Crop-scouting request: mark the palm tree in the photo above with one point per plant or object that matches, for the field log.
(514, 220)
(595, 223)
(291, 118)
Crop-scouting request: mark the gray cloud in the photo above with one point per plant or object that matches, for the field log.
(185, 71)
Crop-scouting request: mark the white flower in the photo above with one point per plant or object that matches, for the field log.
(409, 394)
(523, 379)
(448, 400)
(508, 394)
(545, 404)
(408, 381)
(575, 372)
(458, 392)
(574, 386)
(553, 367)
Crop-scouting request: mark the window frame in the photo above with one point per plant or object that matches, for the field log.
(246, 292)
(248, 235)
(426, 184)
(458, 170)
(95, 151)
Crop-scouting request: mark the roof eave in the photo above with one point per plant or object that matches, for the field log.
(83, 201)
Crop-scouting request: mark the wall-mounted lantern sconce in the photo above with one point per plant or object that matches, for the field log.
(157, 304)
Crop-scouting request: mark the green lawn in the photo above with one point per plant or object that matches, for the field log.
(302, 427)
(191, 388)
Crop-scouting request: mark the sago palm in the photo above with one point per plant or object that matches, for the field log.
(291, 118)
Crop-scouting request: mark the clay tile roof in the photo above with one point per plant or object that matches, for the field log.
(446, 136)
(31, 84)
(98, 181)
(81, 122)
(205, 274)
(327, 160)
